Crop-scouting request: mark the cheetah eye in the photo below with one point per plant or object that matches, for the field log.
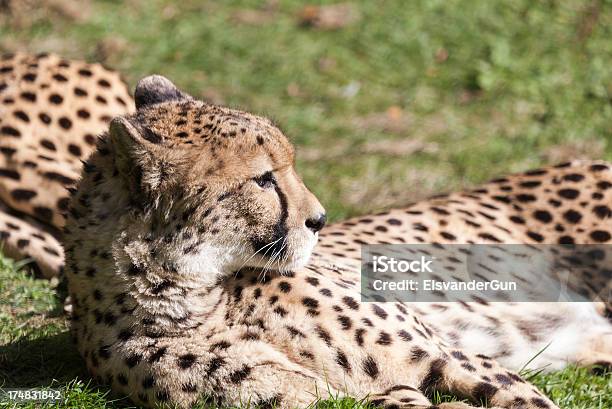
(265, 181)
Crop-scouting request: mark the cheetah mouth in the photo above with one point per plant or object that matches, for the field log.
(275, 246)
(270, 249)
(284, 253)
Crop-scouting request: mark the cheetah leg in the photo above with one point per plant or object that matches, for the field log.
(598, 352)
(272, 384)
(489, 384)
(399, 396)
(601, 363)
(403, 396)
(245, 374)
(22, 239)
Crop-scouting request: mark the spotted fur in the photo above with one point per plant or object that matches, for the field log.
(188, 244)
(51, 112)
(172, 308)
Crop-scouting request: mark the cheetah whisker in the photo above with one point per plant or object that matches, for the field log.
(275, 255)
(262, 276)
(282, 258)
(255, 253)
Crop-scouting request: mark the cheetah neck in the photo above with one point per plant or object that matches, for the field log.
(174, 293)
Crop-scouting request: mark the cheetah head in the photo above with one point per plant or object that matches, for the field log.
(214, 189)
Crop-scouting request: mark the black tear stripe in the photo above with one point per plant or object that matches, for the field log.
(279, 231)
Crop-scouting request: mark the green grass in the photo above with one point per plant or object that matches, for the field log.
(479, 89)
(414, 98)
(36, 351)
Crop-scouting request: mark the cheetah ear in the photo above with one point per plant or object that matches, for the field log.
(130, 140)
(136, 154)
(156, 89)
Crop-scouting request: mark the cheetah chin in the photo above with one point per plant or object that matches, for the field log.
(299, 247)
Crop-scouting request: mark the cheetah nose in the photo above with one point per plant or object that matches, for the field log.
(316, 223)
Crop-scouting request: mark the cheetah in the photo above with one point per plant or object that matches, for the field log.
(51, 111)
(177, 187)
(187, 256)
